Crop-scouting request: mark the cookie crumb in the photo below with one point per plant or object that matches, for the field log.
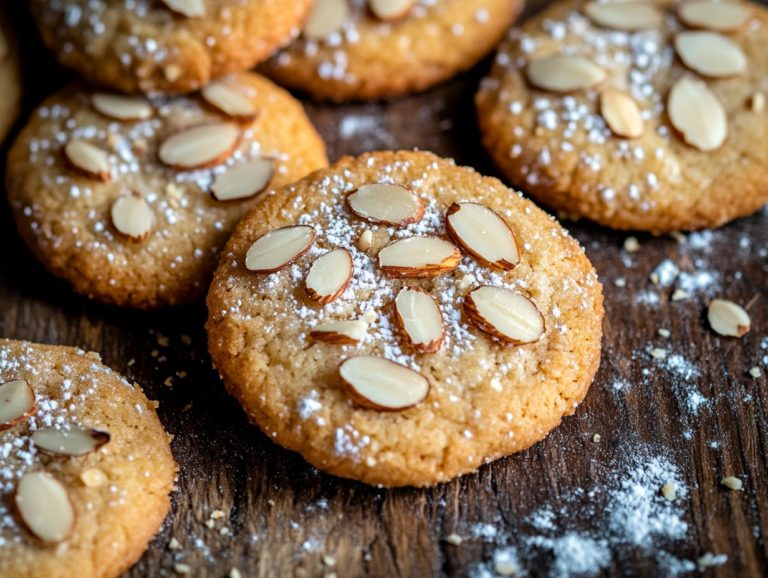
(757, 102)
(669, 491)
(93, 478)
(217, 514)
(631, 244)
(732, 483)
(454, 539)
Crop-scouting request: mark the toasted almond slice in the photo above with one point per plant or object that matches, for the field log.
(88, 159)
(727, 318)
(230, 100)
(621, 113)
(391, 9)
(695, 111)
(188, 8)
(563, 73)
(74, 441)
(623, 15)
(329, 276)
(720, 16)
(279, 248)
(483, 234)
(325, 18)
(121, 106)
(381, 384)
(419, 257)
(504, 314)
(244, 180)
(200, 146)
(710, 54)
(17, 403)
(386, 203)
(132, 216)
(419, 319)
(44, 506)
(340, 332)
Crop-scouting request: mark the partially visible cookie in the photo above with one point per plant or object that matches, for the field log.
(400, 320)
(638, 115)
(365, 50)
(86, 465)
(10, 79)
(165, 46)
(131, 199)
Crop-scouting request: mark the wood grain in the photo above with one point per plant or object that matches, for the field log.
(284, 516)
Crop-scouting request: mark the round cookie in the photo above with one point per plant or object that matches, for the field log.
(10, 79)
(165, 46)
(648, 116)
(86, 474)
(364, 57)
(140, 227)
(486, 398)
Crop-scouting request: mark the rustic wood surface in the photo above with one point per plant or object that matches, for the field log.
(284, 516)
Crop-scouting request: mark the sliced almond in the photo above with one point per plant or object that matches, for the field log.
(623, 15)
(200, 146)
(340, 332)
(419, 319)
(44, 506)
(74, 441)
(391, 9)
(132, 216)
(729, 319)
(279, 248)
(710, 54)
(329, 276)
(419, 257)
(88, 159)
(17, 403)
(720, 16)
(121, 106)
(621, 113)
(695, 111)
(483, 234)
(325, 18)
(563, 73)
(188, 8)
(244, 180)
(230, 100)
(386, 203)
(504, 314)
(381, 384)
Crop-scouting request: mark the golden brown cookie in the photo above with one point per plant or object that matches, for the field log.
(346, 52)
(130, 199)
(643, 116)
(407, 353)
(87, 467)
(166, 46)
(10, 79)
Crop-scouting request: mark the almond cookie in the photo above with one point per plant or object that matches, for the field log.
(10, 79)
(166, 46)
(131, 199)
(400, 320)
(87, 467)
(637, 115)
(370, 49)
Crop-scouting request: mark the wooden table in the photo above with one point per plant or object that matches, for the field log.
(287, 519)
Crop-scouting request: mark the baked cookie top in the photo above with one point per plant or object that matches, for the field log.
(382, 347)
(370, 49)
(86, 465)
(165, 46)
(10, 79)
(637, 115)
(131, 199)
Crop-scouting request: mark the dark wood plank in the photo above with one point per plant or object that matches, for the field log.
(284, 516)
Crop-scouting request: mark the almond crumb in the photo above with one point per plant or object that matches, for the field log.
(329, 561)
(454, 539)
(235, 573)
(174, 544)
(732, 483)
(93, 478)
(659, 353)
(620, 282)
(631, 244)
(365, 240)
(669, 491)
(755, 372)
(596, 438)
(217, 515)
(680, 295)
(664, 332)
(181, 568)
